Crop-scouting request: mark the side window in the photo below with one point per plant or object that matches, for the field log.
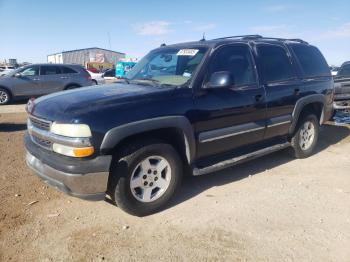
(49, 70)
(68, 70)
(345, 71)
(30, 71)
(238, 61)
(311, 60)
(274, 63)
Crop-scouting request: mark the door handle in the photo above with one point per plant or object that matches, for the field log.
(64, 77)
(36, 79)
(258, 98)
(297, 91)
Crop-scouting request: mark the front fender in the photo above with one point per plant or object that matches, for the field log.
(117, 134)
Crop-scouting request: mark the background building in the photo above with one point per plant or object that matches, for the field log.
(86, 57)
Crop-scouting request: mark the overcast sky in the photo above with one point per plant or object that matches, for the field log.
(32, 29)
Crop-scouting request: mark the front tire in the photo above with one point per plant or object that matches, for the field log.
(305, 138)
(5, 96)
(144, 177)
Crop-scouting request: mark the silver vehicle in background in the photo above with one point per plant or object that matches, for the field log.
(4, 70)
(41, 79)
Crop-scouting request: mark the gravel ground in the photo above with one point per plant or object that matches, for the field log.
(272, 209)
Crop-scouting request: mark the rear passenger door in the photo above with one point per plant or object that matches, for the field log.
(50, 79)
(282, 86)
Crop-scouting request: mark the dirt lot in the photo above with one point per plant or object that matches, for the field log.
(275, 208)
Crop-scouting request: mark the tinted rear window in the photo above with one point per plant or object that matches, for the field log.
(68, 70)
(311, 60)
(274, 63)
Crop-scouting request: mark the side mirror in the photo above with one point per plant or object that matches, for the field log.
(220, 79)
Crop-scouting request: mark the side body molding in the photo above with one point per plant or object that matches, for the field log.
(301, 103)
(117, 134)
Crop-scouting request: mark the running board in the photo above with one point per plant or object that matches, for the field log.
(240, 159)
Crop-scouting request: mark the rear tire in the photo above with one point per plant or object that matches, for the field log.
(5, 96)
(306, 135)
(144, 177)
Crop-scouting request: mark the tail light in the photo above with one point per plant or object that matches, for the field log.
(88, 76)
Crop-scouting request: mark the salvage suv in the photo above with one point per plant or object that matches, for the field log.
(342, 88)
(193, 108)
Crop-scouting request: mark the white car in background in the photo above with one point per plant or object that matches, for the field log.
(97, 78)
(334, 70)
(4, 70)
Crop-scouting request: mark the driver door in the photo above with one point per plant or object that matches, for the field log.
(27, 83)
(233, 116)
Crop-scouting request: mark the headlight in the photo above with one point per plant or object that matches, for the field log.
(71, 130)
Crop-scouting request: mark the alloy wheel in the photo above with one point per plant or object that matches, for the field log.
(150, 179)
(307, 135)
(4, 97)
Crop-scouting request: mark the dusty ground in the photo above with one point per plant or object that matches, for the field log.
(275, 208)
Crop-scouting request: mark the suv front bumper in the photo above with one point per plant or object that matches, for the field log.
(86, 179)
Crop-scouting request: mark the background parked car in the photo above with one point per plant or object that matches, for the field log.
(97, 78)
(41, 79)
(342, 89)
(109, 74)
(4, 70)
(334, 70)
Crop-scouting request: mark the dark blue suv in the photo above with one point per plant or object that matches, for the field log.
(199, 106)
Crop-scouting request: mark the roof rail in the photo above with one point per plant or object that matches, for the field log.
(286, 39)
(298, 40)
(240, 36)
(247, 37)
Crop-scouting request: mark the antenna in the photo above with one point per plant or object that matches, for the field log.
(203, 37)
(109, 40)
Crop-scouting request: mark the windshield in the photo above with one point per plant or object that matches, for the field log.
(167, 66)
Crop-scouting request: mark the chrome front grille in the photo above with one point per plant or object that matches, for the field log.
(39, 131)
(40, 123)
(42, 142)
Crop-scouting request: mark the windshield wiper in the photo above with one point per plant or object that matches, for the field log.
(155, 81)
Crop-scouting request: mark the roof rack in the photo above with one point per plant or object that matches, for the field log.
(240, 36)
(286, 39)
(247, 37)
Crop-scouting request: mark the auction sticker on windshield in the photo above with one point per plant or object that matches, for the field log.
(187, 52)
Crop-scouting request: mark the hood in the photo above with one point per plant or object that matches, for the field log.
(68, 105)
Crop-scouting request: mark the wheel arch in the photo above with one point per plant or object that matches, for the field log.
(71, 84)
(313, 103)
(176, 130)
(7, 89)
